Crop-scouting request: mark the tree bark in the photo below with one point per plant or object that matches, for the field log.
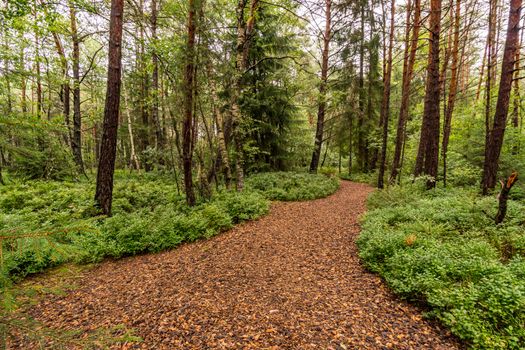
(491, 67)
(144, 131)
(133, 159)
(23, 83)
(76, 141)
(38, 73)
(385, 105)
(187, 126)
(503, 197)
(428, 153)
(361, 82)
(321, 108)
(449, 106)
(108, 149)
(219, 124)
(65, 88)
(496, 135)
(408, 72)
(159, 136)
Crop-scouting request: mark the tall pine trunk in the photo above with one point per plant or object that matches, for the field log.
(159, 135)
(449, 109)
(76, 141)
(428, 152)
(385, 105)
(411, 45)
(108, 147)
(496, 135)
(187, 125)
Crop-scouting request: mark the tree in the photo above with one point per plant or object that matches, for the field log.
(428, 152)
(495, 137)
(321, 109)
(188, 123)
(385, 104)
(108, 148)
(159, 135)
(452, 91)
(76, 140)
(411, 45)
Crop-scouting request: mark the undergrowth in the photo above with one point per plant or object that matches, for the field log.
(285, 186)
(442, 248)
(47, 223)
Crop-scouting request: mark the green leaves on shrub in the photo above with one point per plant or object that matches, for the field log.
(148, 216)
(285, 186)
(442, 247)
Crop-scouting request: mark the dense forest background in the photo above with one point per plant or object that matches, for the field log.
(213, 90)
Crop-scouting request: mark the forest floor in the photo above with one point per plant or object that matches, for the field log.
(290, 280)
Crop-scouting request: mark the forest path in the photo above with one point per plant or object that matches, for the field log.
(291, 280)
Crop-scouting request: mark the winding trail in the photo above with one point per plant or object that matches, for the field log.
(291, 280)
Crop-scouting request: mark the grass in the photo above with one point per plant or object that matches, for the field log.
(442, 248)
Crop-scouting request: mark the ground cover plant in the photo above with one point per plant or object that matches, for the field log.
(443, 248)
(285, 186)
(53, 222)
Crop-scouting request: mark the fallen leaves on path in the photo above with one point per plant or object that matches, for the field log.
(291, 280)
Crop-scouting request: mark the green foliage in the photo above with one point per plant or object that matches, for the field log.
(368, 178)
(52, 222)
(293, 186)
(38, 154)
(442, 247)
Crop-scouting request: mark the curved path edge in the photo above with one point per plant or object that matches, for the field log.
(290, 280)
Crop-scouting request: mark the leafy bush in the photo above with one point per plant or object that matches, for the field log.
(442, 247)
(292, 186)
(52, 222)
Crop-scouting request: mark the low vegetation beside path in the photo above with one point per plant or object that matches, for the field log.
(44, 224)
(443, 248)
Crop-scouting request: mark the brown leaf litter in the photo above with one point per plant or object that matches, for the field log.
(291, 280)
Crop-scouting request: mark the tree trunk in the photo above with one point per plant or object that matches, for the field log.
(452, 89)
(219, 124)
(429, 141)
(106, 166)
(244, 34)
(144, 131)
(76, 141)
(6, 71)
(2, 182)
(187, 126)
(361, 82)
(408, 72)
(133, 159)
(503, 197)
(321, 108)
(385, 105)
(38, 75)
(65, 88)
(23, 83)
(350, 142)
(491, 67)
(159, 136)
(496, 135)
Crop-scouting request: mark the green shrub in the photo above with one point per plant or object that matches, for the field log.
(442, 247)
(149, 215)
(292, 186)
